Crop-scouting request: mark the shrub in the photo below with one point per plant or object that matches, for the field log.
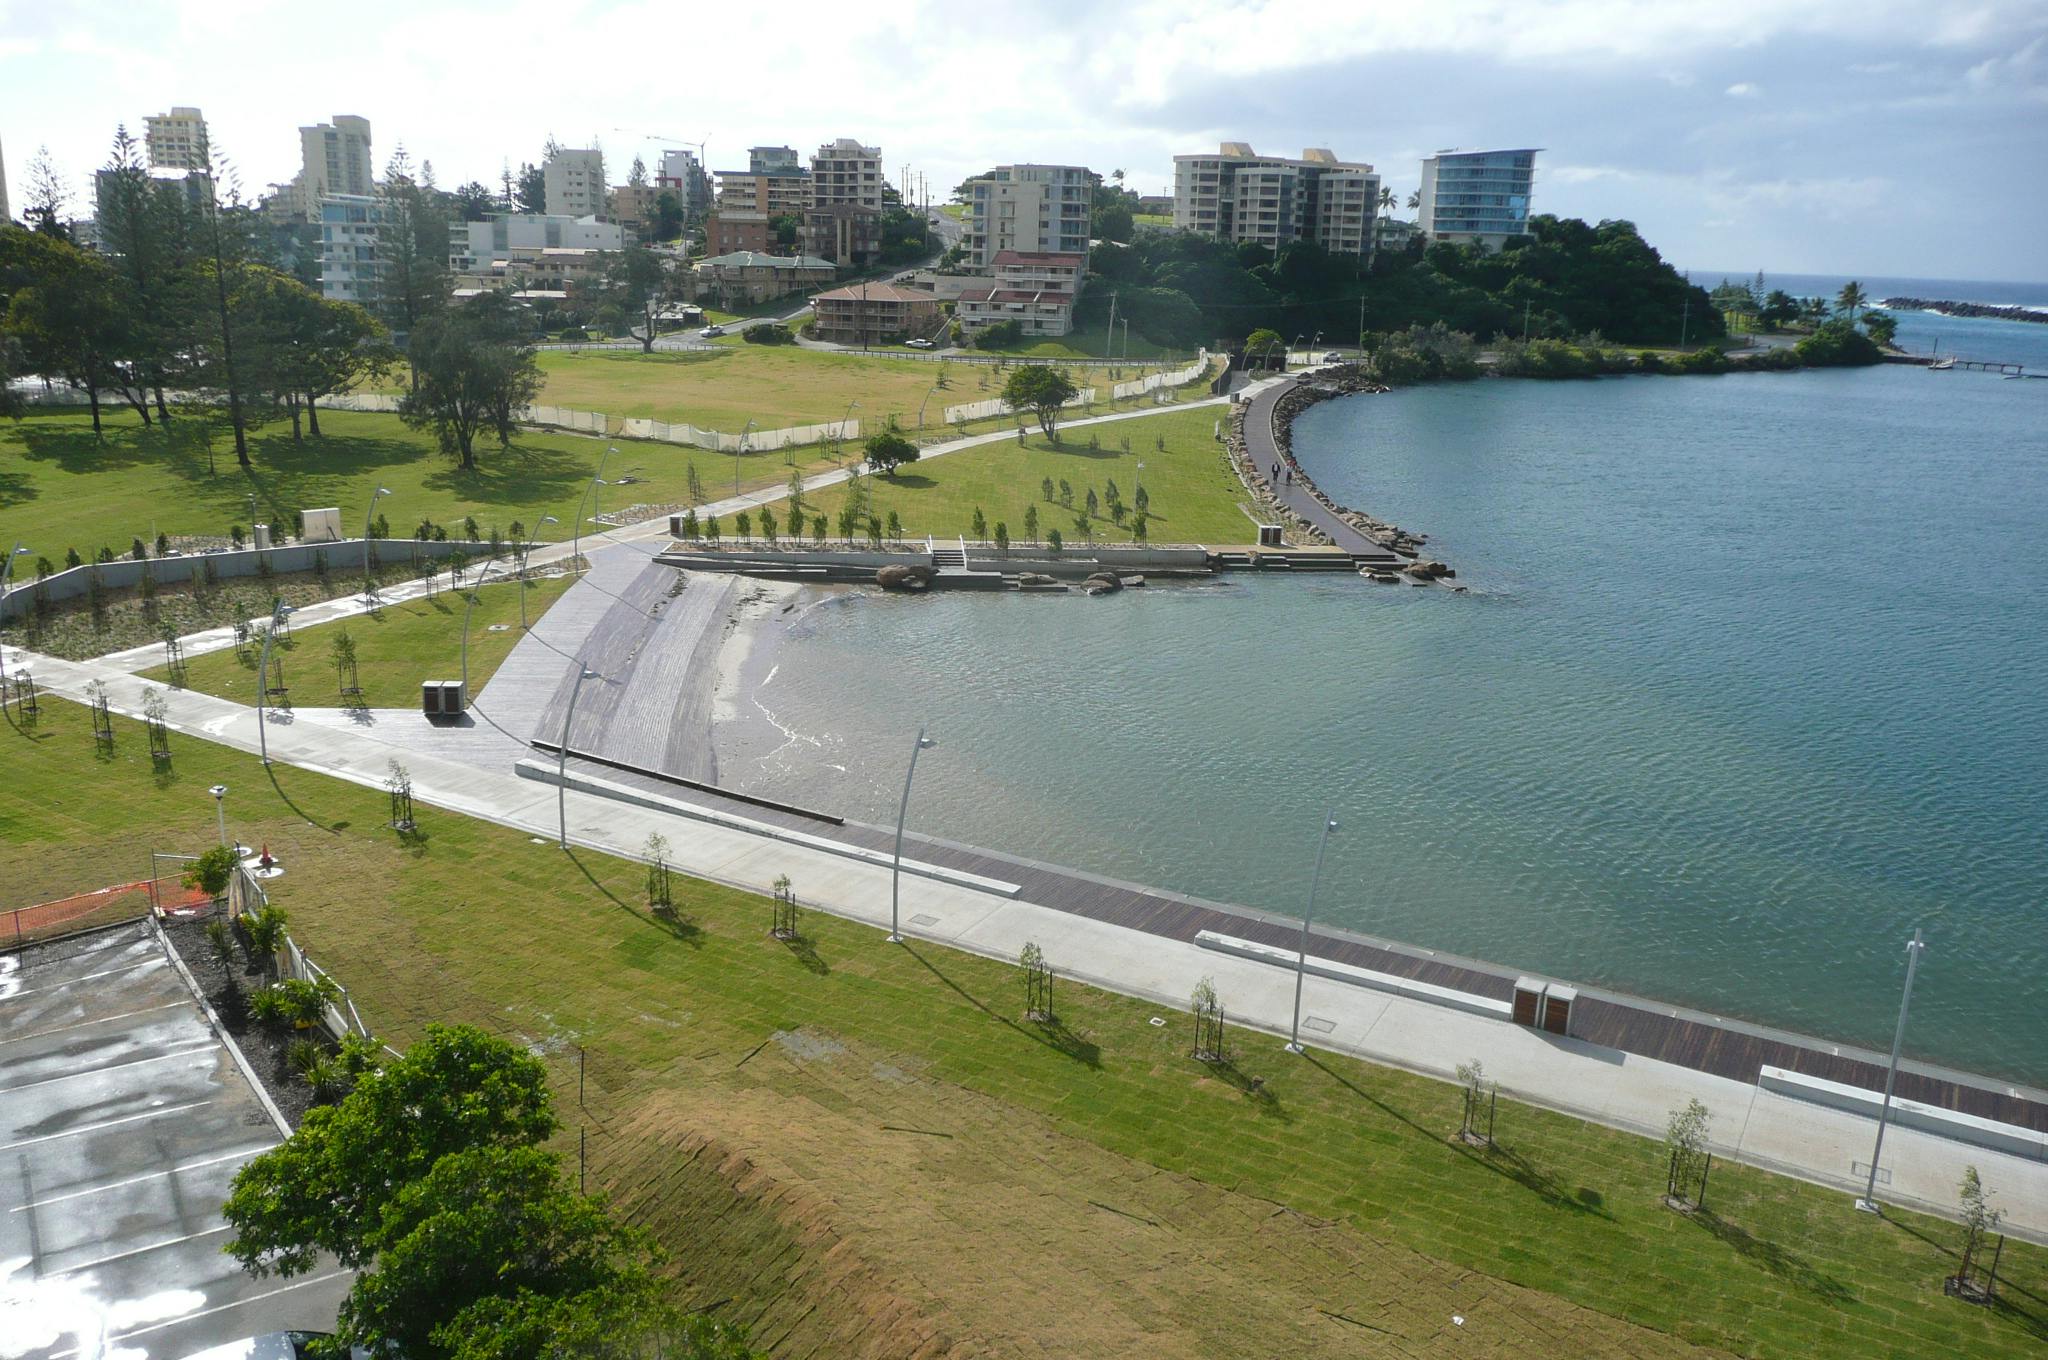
(1838, 344)
(771, 333)
(137, 551)
(265, 930)
(1000, 335)
(211, 871)
(295, 1001)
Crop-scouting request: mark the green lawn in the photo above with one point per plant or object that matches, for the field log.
(60, 488)
(776, 386)
(397, 648)
(896, 1116)
(1194, 494)
(1094, 342)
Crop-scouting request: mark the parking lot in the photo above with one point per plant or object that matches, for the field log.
(123, 1120)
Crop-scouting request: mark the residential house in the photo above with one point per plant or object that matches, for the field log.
(746, 277)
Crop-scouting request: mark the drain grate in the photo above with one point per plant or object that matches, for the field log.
(1318, 1024)
(924, 919)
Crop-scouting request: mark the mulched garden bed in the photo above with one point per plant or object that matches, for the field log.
(265, 1048)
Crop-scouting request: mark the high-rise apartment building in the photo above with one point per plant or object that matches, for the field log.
(1028, 208)
(1238, 195)
(683, 176)
(575, 183)
(773, 186)
(1477, 196)
(349, 225)
(844, 221)
(334, 158)
(176, 140)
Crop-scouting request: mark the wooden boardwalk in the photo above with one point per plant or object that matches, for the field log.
(1631, 1025)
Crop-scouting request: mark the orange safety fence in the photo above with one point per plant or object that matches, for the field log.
(104, 906)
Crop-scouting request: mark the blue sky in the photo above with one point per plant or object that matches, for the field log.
(1788, 135)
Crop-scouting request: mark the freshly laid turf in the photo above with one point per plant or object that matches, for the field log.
(863, 1148)
(60, 488)
(397, 648)
(1194, 496)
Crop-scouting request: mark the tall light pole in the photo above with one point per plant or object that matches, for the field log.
(1868, 1204)
(1292, 345)
(921, 405)
(854, 405)
(923, 743)
(278, 611)
(467, 610)
(1301, 960)
(738, 451)
(7, 567)
(369, 517)
(220, 809)
(583, 673)
(524, 554)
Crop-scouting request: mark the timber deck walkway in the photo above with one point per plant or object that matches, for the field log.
(1720, 1047)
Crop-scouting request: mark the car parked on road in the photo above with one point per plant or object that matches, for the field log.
(711, 332)
(921, 343)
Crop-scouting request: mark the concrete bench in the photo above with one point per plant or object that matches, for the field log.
(545, 772)
(1358, 977)
(1912, 1114)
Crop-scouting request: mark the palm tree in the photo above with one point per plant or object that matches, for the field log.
(1389, 200)
(1815, 310)
(1415, 199)
(1852, 299)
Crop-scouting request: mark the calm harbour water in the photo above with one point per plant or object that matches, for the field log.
(1752, 679)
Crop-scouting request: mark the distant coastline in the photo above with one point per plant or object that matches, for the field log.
(1971, 309)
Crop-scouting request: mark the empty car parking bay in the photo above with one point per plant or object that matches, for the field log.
(123, 1119)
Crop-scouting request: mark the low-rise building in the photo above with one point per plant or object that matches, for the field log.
(1479, 197)
(875, 313)
(746, 277)
(473, 245)
(632, 207)
(738, 229)
(544, 267)
(1036, 289)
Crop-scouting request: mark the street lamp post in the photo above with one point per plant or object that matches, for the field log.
(525, 552)
(7, 568)
(583, 673)
(467, 610)
(369, 517)
(576, 549)
(1301, 960)
(1868, 1204)
(278, 612)
(220, 809)
(921, 405)
(1292, 345)
(923, 743)
(854, 405)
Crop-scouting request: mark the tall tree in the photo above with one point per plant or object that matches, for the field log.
(1852, 299)
(1042, 389)
(470, 374)
(668, 216)
(473, 202)
(637, 282)
(61, 312)
(412, 251)
(531, 192)
(226, 233)
(637, 176)
(47, 196)
(145, 229)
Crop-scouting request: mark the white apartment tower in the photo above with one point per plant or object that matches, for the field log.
(1030, 208)
(844, 221)
(175, 140)
(1240, 196)
(1477, 196)
(334, 158)
(575, 183)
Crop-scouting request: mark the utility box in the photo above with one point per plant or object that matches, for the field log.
(675, 526)
(430, 698)
(1529, 1002)
(454, 699)
(259, 536)
(322, 526)
(1557, 1008)
(1270, 536)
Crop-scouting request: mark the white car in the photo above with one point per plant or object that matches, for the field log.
(1333, 357)
(921, 343)
(711, 332)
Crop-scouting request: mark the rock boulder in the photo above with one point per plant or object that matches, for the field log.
(907, 578)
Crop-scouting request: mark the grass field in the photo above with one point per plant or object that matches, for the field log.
(775, 386)
(1194, 495)
(396, 648)
(60, 488)
(864, 1150)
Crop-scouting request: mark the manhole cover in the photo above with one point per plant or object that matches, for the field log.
(924, 919)
(1318, 1024)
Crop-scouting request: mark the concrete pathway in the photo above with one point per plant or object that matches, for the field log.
(1622, 1090)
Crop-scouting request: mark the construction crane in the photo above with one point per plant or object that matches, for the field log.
(702, 163)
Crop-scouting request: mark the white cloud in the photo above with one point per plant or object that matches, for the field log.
(1743, 89)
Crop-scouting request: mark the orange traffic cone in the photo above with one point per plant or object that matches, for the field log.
(266, 861)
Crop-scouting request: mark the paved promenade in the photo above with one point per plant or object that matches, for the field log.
(1264, 451)
(1591, 1079)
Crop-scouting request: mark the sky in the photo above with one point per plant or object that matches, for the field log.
(1800, 136)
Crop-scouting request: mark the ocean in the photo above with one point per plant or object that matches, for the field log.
(1748, 684)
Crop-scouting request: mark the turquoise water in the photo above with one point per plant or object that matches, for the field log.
(1752, 679)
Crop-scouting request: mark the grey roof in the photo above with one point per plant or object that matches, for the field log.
(751, 259)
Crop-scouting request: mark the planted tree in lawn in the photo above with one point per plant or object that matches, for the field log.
(1980, 1220)
(1042, 390)
(1045, 487)
(211, 871)
(694, 484)
(768, 524)
(660, 898)
(888, 451)
(1471, 1081)
(1685, 1137)
(471, 373)
(1002, 538)
(818, 530)
(978, 525)
(1037, 984)
(1031, 522)
(1208, 1013)
(743, 525)
(343, 648)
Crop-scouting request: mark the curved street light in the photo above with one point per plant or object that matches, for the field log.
(1301, 960)
(595, 482)
(369, 517)
(7, 568)
(278, 613)
(525, 552)
(923, 743)
(738, 451)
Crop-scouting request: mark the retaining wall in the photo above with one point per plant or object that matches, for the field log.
(343, 557)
